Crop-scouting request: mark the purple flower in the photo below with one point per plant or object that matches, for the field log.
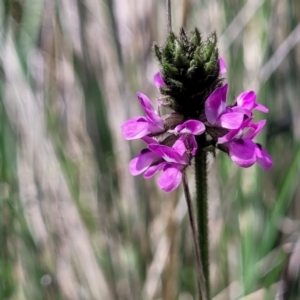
(175, 160)
(189, 127)
(171, 160)
(171, 145)
(145, 159)
(263, 158)
(242, 150)
(218, 114)
(246, 102)
(139, 127)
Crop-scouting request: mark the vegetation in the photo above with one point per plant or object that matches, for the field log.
(73, 223)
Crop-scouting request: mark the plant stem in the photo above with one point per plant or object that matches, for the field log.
(169, 16)
(201, 278)
(202, 207)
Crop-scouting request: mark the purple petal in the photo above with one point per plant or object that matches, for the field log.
(145, 102)
(135, 128)
(142, 162)
(263, 158)
(168, 154)
(234, 133)
(228, 136)
(179, 146)
(158, 122)
(242, 152)
(246, 100)
(239, 109)
(215, 104)
(222, 66)
(151, 171)
(190, 127)
(231, 120)
(149, 140)
(254, 129)
(170, 179)
(261, 108)
(158, 81)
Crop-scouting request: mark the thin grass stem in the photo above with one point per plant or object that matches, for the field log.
(169, 16)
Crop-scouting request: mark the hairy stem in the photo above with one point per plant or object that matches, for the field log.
(201, 279)
(202, 207)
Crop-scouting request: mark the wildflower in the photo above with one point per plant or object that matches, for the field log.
(189, 127)
(218, 114)
(233, 130)
(139, 127)
(171, 160)
(191, 86)
(246, 102)
(242, 150)
(175, 161)
(145, 159)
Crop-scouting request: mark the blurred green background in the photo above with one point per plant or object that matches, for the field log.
(73, 223)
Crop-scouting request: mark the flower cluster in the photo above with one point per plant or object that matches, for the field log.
(170, 149)
(237, 120)
(172, 139)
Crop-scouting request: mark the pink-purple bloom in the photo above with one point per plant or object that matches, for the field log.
(171, 141)
(246, 102)
(175, 160)
(139, 127)
(218, 114)
(194, 127)
(145, 159)
(237, 120)
(171, 160)
(241, 148)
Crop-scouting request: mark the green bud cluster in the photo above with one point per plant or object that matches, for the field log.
(191, 71)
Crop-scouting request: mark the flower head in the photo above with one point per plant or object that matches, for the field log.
(139, 127)
(190, 82)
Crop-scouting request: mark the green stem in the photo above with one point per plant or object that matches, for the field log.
(202, 207)
(201, 279)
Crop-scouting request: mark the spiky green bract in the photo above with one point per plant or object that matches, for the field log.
(190, 69)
